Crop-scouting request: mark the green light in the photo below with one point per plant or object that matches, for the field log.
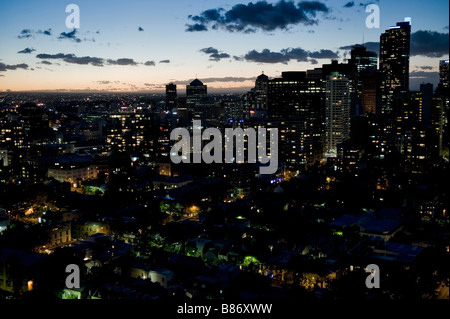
(250, 259)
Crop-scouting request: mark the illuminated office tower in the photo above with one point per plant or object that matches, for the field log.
(394, 66)
(296, 100)
(337, 113)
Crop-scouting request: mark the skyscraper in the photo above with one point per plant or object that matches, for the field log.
(363, 59)
(171, 96)
(195, 92)
(366, 95)
(349, 71)
(296, 100)
(426, 98)
(337, 113)
(443, 75)
(394, 66)
(260, 89)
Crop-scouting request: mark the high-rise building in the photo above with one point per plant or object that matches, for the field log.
(426, 95)
(366, 81)
(130, 132)
(443, 73)
(296, 100)
(394, 66)
(337, 113)
(349, 71)
(255, 101)
(284, 95)
(36, 123)
(260, 89)
(235, 112)
(443, 77)
(363, 59)
(441, 106)
(369, 94)
(171, 96)
(195, 92)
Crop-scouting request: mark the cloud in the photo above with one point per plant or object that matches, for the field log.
(45, 32)
(324, 54)
(217, 79)
(4, 67)
(228, 79)
(209, 50)
(69, 35)
(214, 54)
(422, 74)
(429, 43)
(266, 56)
(72, 58)
(122, 61)
(164, 61)
(140, 29)
(370, 46)
(286, 55)
(150, 63)
(196, 27)
(46, 62)
(28, 33)
(25, 33)
(367, 3)
(260, 15)
(54, 56)
(313, 61)
(349, 4)
(426, 67)
(104, 82)
(85, 60)
(418, 77)
(26, 50)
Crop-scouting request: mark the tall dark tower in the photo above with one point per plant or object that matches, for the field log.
(366, 94)
(171, 96)
(261, 91)
(394, 66)
(363, 59)
(195, 91)
(443, 76)
(35, 121)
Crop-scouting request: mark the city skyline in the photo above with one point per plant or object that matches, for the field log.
(141, 47)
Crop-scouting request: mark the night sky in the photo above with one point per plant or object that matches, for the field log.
(142, 45)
